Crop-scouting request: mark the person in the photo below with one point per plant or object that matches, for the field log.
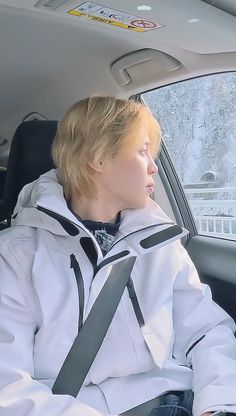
(68, 230)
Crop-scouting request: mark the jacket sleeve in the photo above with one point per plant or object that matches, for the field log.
(204, 340)
(19, 393)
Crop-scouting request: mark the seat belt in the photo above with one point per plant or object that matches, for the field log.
(88, 341)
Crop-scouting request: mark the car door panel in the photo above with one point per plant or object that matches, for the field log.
(215, 261)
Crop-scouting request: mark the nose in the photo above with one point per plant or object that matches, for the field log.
(152, 167)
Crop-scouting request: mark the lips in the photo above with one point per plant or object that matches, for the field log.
(150, 188)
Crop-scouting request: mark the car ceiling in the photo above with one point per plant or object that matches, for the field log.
(50, 59)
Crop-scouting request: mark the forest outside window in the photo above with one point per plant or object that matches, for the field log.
(198, 121)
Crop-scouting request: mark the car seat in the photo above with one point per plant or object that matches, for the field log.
(29, 157)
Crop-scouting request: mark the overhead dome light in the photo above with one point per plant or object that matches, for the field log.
(144, 7)
(50, 4)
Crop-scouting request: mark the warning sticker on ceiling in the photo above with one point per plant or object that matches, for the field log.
(113, 17)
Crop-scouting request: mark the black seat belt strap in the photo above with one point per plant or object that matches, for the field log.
(87, 343)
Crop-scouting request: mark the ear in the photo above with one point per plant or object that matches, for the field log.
(96, 165)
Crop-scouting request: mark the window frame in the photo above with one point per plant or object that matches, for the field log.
(169, 176)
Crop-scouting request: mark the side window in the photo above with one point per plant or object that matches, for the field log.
(198, 120)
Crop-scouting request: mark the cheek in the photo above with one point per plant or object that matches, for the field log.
(139, 171)
(135, 182)
(128, 175)
(117, 179)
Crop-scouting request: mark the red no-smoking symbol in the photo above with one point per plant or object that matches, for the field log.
(145, 24)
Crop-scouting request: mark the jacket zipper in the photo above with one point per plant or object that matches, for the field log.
(134, 300)
(80, 284)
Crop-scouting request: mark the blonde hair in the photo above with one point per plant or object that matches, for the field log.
(96, 128)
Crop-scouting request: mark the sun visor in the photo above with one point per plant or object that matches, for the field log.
(142, 66)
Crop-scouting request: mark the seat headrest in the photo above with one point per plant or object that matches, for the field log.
(30, 157)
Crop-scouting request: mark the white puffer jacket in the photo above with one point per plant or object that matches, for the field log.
(43, 302)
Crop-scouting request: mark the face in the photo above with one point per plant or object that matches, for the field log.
(127, 179)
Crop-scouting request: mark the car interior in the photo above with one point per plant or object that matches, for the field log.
(55, 52)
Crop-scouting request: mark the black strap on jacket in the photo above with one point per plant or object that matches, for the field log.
(87, 343)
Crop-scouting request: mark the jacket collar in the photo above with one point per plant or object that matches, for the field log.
(139, 227)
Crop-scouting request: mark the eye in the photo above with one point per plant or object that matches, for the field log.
(144, 151)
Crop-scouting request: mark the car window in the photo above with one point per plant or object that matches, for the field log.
(198, 120)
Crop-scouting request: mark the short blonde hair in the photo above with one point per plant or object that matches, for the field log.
(96, 128)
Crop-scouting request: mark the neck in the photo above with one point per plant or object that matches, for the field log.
(94, 210)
